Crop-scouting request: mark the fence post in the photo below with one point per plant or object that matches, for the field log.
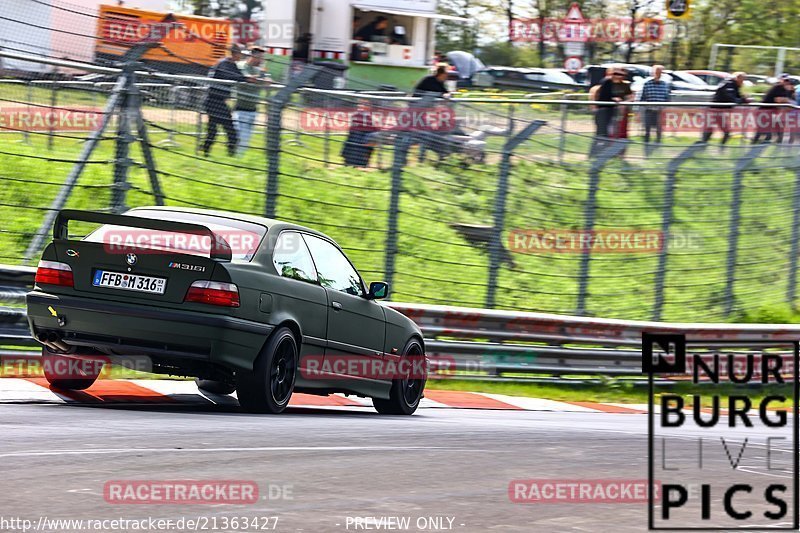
(274, 116)
(496, 244)
(124, 138)
(733, 228)
(53, 104)
(401, 147)
(795, 243)
(562, 137)
(144, 142)
(666, 223)
(26, 134)
(613, 150)
(66, 190)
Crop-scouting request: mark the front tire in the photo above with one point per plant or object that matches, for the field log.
(268, 388)
(406, 392)
(69, 373)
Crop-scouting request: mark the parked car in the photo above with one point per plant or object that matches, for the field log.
(526, 79)
(711, 77)
(757, 79)
(251, 312)
(688, 81)
(581, 77)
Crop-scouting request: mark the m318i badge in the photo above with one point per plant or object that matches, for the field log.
(187, 266)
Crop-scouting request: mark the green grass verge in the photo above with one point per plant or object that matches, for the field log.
(612, 392)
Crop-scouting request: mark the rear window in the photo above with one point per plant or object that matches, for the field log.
(243, 237)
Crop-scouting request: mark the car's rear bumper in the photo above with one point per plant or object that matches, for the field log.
(130, 329)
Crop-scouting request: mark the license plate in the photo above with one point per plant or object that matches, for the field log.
(129, 282)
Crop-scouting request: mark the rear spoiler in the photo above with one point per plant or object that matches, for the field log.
(220, 250)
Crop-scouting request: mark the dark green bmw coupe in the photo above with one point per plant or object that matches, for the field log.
(242, 303)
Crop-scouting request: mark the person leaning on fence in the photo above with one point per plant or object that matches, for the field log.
(433, 84)
(654, 89)
(613, 88)
(216, 107)
(771, 119)
(247, 97)
(728, 92)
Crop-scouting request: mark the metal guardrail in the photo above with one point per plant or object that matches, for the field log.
(489, 344)
(14, 283)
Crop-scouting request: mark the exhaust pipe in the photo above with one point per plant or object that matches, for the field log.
(43, 339)
(56, 341)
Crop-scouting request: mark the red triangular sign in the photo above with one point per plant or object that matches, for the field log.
(574, 12)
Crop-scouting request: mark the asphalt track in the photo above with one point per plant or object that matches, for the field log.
(339, 463)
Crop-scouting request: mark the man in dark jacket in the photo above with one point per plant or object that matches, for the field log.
(771, 119)
(433, 83)
(375, 30)
(728, 92)
(219, 114)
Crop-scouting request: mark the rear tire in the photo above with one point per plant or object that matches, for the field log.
(406, 393)
(268, 388)
(214, 387)
(69, 373)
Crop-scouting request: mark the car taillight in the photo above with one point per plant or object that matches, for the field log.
(213, 293)
(54, 273)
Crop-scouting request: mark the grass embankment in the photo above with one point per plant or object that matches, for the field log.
(435, 263)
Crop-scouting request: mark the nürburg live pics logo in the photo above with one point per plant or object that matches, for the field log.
(722, 431)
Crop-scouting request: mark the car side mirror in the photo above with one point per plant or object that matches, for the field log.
(378, 290)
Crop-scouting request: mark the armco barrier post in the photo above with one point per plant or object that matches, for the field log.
(612, 151)
(733, 227)
(274, 117)
(401, 147)
(666, 223)
(795, 242)
(496, 244)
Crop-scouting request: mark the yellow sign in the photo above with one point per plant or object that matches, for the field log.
(678, 9)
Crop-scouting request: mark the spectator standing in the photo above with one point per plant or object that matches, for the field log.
(654, 89)
(728, 92)
(247, 97)
(772, 118)
(216, 107)
(614, 89)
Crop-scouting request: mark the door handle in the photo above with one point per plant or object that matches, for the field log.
(336, 306)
